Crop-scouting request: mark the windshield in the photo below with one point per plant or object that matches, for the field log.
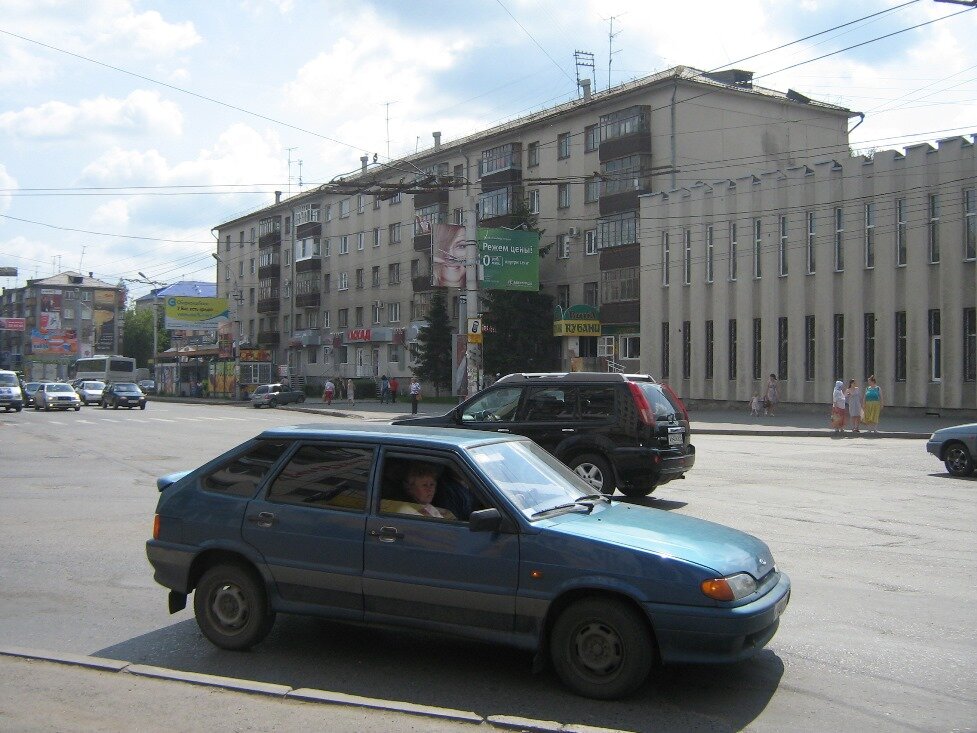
(93, 385)
(59, 388)
(9, 380)
(126, 388)
(532, 479)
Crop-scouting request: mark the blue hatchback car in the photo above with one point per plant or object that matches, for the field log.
(453, 531)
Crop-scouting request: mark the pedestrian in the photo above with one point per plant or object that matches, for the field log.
(872, 405)
(854, 396)
(771, 397)
(328, 390)
(755, 405)
(415, 395)
(351, 392)
(394, 384)
(384, 389)
(839, 408)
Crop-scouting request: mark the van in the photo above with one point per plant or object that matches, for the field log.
(11, 398)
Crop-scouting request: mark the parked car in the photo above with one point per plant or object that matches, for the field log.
(315, 520)
(90, 391)
(123, 394)
(56, 396)
(623, 431)
(29, 389)
(11, 396)
(272, 395)
(956, 447)
(148, 386)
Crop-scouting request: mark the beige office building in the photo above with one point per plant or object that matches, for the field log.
(337, 280)
(841, 269)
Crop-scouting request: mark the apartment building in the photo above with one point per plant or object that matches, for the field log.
(337, 280)
(840, 269)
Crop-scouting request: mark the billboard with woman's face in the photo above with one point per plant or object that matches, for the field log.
(449, 256)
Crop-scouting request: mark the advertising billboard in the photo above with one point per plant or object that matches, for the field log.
(195, 314)
(509, 259)
(448, 256)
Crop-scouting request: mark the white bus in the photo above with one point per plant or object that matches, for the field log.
(105, 368)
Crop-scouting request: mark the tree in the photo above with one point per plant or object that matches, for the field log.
(137, 337)
(432, 352)
(519, 325)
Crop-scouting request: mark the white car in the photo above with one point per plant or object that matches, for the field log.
(90, 391)
(56, 396)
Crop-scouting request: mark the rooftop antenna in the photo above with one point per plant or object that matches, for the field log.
(611, 35)
(387, 105)
(300, 175)
(82, 258)
(289, 176)
(584, 59)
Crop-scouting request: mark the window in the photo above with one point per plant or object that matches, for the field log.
(870, 236)
(591, 190)
(970, 224)
(868, 345)
(326, 319)
(563, 244)
(839, 242)
(325, 247)
(731, 350)
(393, 312)
(287, 257)
(901, 353)
(359, 317)
(591, 138)
(782, 341)
(495, 203)
(732, 250)
(666, 356)
(590, 294)
(534, 201)
(396, 198)
(376, 236)
(687, 258)
(426, 217)
(415, 268)
(563, 296)
(500, 158)
(393, 233)
(343, 320)
(933, 228)
(344, 244)
(782, 250)
(810, 348)
(359, 278)
(757, 348)
(377, 312)
(935, 346)
(360, 241)
(666, 257)
(710, 346)
(326, 282)
(360, 203)
(626, 174)
(240, 269)
(324, 477)
(563, 195)
(227, 243)
(344, 208)
(252, 267)
(312, 355)
(328, 214)
(393, 273)
(810, 243)
(376, 276)
(630, 347)
(618, 229)
(590, 247)
(686, 349)
(343, 281)
(307, 248)
(376, 202)
(970, 344)
(563, 145)
(757, 244)
(242, 475)
(624, 122)
(901, 230)
(619, 285)
(710, 253)
(838, 339)
(532, 154)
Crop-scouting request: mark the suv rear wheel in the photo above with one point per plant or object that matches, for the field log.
(595, 471)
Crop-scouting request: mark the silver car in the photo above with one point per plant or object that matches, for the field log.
(956, 447)
(90, 391)
(56, 396)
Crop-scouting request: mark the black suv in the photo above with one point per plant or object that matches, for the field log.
(623, 431)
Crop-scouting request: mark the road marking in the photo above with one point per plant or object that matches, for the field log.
(161, 419)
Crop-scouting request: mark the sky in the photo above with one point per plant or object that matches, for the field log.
(129, 130)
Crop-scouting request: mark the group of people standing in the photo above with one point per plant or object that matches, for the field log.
(388, 388)
(850, 403)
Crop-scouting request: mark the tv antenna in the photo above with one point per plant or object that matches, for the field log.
(290, 176)
(584, 59)
(611, 35)
(387, 105)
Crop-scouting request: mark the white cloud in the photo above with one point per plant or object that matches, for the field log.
(142, 112)
(111, 216)
(147, 32)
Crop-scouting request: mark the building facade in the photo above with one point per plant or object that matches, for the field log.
(336, 281)
(842, 269)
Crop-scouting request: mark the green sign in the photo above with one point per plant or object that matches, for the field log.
(508, 259)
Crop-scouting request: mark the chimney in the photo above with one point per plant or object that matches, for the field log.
(437, 140)
(585, 85)
(90, 274)
(278, 197)
(364, 159)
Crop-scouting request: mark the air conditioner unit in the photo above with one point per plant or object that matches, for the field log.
(574, 231)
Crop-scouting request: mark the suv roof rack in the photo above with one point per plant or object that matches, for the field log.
(576, 377)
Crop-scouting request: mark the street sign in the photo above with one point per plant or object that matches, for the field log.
(474, 330)
(8, 272)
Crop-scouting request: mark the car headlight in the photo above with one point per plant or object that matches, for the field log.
(730, 588)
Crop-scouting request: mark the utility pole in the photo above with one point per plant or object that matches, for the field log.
(473, 351)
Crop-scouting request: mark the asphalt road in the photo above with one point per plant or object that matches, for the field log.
(878, 540)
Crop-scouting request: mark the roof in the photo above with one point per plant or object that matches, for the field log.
(182, 289)
(70, 278)
(407, 435)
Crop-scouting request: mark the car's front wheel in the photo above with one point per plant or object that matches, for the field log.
(104, 404)
(301, 399)
(958, 460)
(602, 648)
(77, 408)
(272, 403)
(142, 406)
(231, 607)
(596, 471)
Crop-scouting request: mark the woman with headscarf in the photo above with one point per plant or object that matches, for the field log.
(839, 407)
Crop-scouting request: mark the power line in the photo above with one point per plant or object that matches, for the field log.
(531, 38)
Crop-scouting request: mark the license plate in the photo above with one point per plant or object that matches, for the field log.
(676, 438)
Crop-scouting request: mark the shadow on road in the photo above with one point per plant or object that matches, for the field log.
(427, 669)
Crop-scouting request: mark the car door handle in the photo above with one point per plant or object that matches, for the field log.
(568, 430)
(262, 519)
(502, 430)
(387, 534)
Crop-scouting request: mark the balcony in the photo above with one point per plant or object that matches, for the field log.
(621, 313)
(422, 242)
(422, 283)
(269, 338)
(309, 264)
(309, 229)
(271, 239)
(307, 337)
(269, 305)
(307, 300)
(430, 198)
(272, 271)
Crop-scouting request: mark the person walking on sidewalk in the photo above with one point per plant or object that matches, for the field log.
(415, 394)
(872, 405)
(771, 397)
(384, 389)
(328, 390)
(854, 395)
(351, 392)
(839, 408)
(755, 405)
(394, 385)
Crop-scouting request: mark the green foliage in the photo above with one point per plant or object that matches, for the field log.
(434, 344)
(137, 337)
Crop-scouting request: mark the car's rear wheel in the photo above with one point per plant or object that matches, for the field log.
(231, 607)
(142, 406)
(596, 471)
(301, 398)
(958, 460)
(601, 648)
(104, 404)
(115, 405)
(272, 403)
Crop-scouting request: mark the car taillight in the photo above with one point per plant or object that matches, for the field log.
(641, 402)
(678, 401)
(156, 526)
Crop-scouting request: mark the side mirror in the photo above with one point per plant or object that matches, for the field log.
(485, 520)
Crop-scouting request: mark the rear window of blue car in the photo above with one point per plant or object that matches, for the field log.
(242, 475)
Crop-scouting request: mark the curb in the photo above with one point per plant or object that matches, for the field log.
(304, 694)
(801, 433)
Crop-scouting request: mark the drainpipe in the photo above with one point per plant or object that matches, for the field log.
(672, 136)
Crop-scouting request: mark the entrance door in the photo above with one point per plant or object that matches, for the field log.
(375, 360)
